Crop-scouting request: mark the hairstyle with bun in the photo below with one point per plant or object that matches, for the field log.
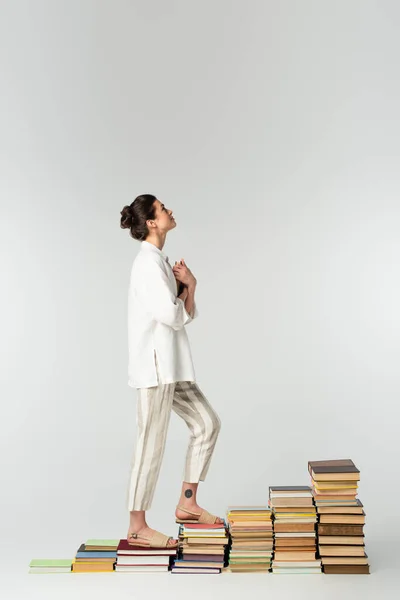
(135, 215)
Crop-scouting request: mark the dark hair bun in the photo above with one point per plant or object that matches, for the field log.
(135, 216)
(126, 217)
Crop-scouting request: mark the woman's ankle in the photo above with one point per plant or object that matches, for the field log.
(137, 520)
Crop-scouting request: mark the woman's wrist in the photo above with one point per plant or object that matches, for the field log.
(192, 285)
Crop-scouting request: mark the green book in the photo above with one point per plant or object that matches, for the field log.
(51, 562)
(102, 543)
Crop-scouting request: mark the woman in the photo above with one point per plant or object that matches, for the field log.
(161, 369)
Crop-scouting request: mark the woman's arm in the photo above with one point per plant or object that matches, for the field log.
(187, 296)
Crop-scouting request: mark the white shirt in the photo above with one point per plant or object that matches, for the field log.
(156, 322)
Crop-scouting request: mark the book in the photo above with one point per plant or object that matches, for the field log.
(150, 559)
(345, 560)
(357, 540)
(326, 550)
(358, 509)
(342, 469)
(340, 529)
(50, 565)
(128, 549)
(101, 544)
(346, 569)
(141, 568)
(343, 519)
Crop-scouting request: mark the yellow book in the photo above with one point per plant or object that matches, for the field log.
(328, 485)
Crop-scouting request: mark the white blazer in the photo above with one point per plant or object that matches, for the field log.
(156, 322)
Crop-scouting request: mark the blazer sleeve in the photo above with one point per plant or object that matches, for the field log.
(159, 299)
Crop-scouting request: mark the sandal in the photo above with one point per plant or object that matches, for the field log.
(157, 540)
(203, 517)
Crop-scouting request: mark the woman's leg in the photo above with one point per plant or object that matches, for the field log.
(153, 416)
(204, 424)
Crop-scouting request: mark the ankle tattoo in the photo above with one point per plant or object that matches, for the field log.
(188, 493)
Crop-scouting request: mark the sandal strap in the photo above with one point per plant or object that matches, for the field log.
(207, 517)
(157, 540)
(160, 540)
(188, 511)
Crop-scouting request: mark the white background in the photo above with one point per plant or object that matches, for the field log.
(271, 128)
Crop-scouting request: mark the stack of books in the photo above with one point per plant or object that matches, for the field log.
(95, 556)
(251, 539)
(50, 565)
(134, 559)
(294, 518)
(341, 516)
(202, 548)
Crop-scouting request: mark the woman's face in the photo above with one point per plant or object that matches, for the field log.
(163, 217)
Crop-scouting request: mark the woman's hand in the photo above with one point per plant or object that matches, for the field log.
(183, 274)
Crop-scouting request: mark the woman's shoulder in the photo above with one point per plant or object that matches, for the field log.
(146, 262)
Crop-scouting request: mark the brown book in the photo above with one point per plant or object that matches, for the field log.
(251, 543)
(344, 519)
(326, 550)
(296, 549)
(293, 527)
(346, 569)
(349, 494)
(209, 541)
(351, 499)
(295, 502)
(300, 555)
(285, 509)
(333, 470)
(345, 560)
(297, 541)
(337, 529)
(356, 540)
(341, 509)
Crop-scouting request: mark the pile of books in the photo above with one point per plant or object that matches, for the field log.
(294, 516)
(251, 539)
(95, 556)
(50, 565)
(133, 559)
(202, 548)
(341, 517)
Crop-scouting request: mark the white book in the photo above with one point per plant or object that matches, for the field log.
(293, 563)
(299, 571)
(50, 570)
(140, 568)
(140, 560)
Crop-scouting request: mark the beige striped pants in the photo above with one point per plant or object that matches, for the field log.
(153, 413)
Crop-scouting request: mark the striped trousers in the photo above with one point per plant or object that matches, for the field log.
(153, 413)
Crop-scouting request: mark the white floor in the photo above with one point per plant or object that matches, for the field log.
(382, 584)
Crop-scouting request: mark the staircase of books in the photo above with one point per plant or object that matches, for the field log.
(316, 529)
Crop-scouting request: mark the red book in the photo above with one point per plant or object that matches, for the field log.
(125, 548)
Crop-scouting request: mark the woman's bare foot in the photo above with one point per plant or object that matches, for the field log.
(193, 507)
(147, 532)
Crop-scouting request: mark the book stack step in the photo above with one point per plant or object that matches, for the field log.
(341, 516)
(294, 519)
(136, 559)
(50, 565)
(202, 548)
(95, 556)
(251, 539)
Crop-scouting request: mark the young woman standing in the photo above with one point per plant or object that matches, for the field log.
(161, 302)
